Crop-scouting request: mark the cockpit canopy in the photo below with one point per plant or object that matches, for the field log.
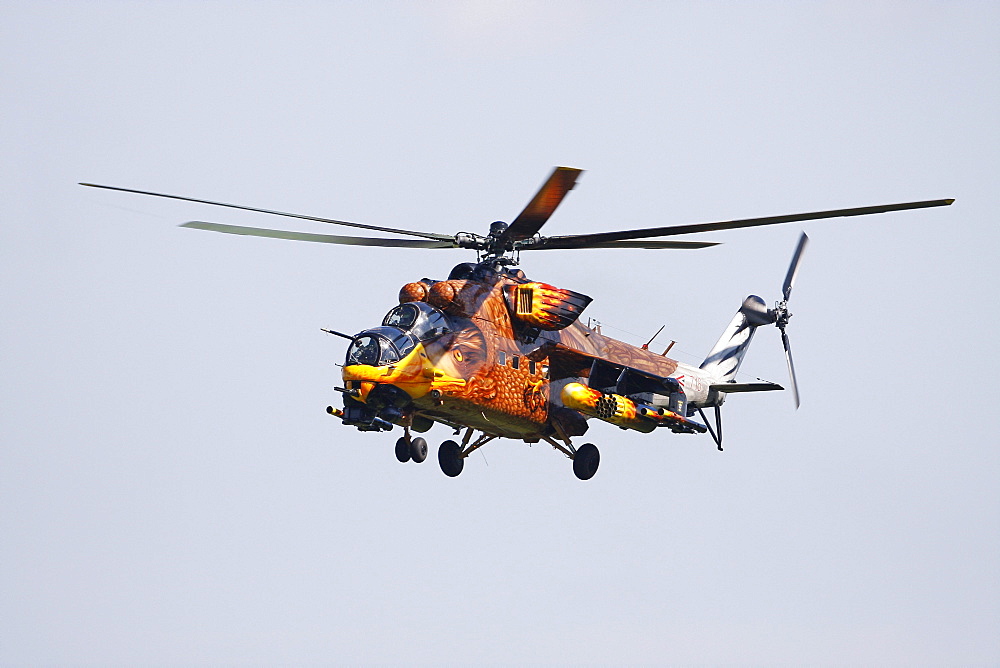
(380, 346)
(420, 319)
(401, 329)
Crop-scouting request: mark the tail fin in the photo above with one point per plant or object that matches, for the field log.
(727, 355)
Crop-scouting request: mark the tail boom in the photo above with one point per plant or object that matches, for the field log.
(724, 361)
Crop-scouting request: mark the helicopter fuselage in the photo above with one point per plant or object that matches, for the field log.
(489, 364)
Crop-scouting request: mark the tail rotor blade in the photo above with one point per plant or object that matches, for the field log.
(793, 270)
(791, 367)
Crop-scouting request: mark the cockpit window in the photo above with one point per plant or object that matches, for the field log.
(419, 319)
(395, 344)
(380, 346)
(364, 350)
(403, 316)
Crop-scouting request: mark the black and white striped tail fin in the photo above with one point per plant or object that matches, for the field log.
(727, 355)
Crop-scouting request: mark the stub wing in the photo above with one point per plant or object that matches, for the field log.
(733, 388)
(621, 395)
(627, 412)
(564, 362)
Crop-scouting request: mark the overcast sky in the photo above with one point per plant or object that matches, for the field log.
(172, 491)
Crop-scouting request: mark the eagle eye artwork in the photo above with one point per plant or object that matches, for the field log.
(491, 353)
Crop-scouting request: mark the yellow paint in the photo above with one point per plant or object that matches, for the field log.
(580, 397)
(544, 306)
(415, 374)
(612, 408)
(618, 410)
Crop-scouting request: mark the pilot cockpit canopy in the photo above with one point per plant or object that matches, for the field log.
(419, 319)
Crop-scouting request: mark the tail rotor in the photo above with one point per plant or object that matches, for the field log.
(780, 314)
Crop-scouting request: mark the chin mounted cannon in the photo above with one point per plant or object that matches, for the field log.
(385, 405)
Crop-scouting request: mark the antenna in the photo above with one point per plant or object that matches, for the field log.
(645, 346)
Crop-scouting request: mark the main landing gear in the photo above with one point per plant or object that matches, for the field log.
(586, 458)
(452, 455)
(450, 458)
(586, 461)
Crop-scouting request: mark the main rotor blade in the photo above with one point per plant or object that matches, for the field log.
(543, 204)
(793, 267)
(425, 235)
(673, 230)
(570, 245)
(319, 238)
(791, 366)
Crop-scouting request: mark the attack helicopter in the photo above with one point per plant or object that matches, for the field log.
(491, 353)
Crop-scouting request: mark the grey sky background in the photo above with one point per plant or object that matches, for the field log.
(174, 493)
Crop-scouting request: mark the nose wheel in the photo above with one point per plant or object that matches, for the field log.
(418, 449)
(407, 449)
(403, 449)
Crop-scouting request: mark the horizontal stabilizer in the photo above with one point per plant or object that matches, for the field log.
(731, 388)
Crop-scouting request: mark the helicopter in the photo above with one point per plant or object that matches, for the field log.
(493, 354)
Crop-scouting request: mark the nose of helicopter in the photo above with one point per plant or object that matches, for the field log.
(415, 374)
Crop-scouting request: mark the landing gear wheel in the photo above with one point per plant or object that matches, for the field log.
(586, 461)
(450, 458)
(418, 449)
(403, 449)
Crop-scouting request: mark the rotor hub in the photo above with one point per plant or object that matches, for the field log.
(781, 314)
